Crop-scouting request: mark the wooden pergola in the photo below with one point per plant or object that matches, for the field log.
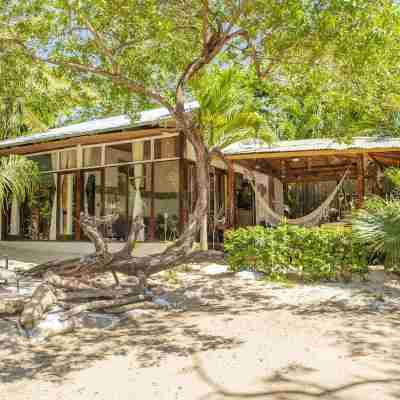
(310, 163)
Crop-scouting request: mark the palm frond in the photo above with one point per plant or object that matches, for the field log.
(19, 177)
(379, 229)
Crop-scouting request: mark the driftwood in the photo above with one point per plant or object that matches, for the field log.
(69, 282)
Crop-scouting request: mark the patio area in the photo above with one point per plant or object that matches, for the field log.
(44, 251)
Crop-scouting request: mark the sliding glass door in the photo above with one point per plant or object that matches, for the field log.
(67, 205)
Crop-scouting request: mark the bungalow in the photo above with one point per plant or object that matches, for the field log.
(115, 165)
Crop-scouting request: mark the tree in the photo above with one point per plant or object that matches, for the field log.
(228, 112)
(139, 51)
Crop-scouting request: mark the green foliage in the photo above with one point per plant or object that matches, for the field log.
(314, 254)
(228, 108)
(378, 227)
(393, 174)
(19, 177)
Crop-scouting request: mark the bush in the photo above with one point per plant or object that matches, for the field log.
(312, 253)
(377, 226)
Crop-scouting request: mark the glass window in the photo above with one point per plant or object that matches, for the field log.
(68, 159)
(92, 156)
(141, 150)
(46, 162)
(166, 199)
(39, 214)
(67, 205)
(119, 153)
(166, 148)
(127, 194)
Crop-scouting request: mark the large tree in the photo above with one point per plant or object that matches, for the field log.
(136, 52)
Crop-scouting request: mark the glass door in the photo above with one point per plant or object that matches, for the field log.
(67, 205)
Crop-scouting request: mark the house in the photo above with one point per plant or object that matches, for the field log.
(118, 166)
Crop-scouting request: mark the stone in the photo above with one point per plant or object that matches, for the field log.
(10, 305)
(135, 315)
(50, 326)
(99, 321)
(249, 275)
(216, 269)
(164, 303)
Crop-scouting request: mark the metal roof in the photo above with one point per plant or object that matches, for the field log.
(358, 143)
(102, 125)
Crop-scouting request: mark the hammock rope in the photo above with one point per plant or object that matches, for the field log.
(311, 219)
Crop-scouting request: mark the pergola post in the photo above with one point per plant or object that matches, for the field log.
(231, 195)
(360, 181)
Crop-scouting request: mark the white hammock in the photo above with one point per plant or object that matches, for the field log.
(312, 219)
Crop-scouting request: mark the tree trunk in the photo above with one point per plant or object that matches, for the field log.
(204, 234)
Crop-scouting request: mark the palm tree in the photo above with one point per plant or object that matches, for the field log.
(378, 226)
(19, 176)
(228, 112)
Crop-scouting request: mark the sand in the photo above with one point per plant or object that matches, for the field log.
(227, 334)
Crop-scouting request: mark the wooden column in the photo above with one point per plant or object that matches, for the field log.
(152, 220)
(231, 195)
(271, 192)
(360, 181)
(183, 190)
(78, 200)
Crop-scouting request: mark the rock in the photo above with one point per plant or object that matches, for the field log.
(99, 321)
(52, 325)
(162, 302)
(216, 269)
(249, 275)
(11, 305)
(135, 315)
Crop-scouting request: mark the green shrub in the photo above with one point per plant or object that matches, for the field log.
(378, 227)
(313, 253)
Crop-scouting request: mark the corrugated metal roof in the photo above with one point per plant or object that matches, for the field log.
(103, 125)
(358, 143)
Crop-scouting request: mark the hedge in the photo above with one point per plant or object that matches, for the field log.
(309, 253)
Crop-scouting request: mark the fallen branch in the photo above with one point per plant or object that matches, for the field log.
(101, 304)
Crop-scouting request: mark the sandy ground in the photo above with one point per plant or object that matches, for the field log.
(239, 336)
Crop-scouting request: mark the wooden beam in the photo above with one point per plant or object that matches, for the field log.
(360, 181)
(308, 153)
(231, 195)
(86, 140)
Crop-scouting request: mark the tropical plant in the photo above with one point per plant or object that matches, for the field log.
(228, 109)
(378, 227)
(19, 178)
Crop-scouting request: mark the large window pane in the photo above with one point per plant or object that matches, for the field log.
(166, 148)
(92, 199)
(127, 194)
(116, 201)
(68, 159)
(141, 150)
(119, 153)
(166, 202)
(92, 156)
(39, 215)
(140, 196)
(66, 205)
(45, 162)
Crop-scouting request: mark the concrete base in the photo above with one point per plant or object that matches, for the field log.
(40, 252)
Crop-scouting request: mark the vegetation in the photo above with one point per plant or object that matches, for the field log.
(149, 53)
(311, 254)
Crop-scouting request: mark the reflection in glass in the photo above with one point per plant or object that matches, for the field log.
(68, 159)
(119, 153)
(92, 193)
(66, 200)
(166, 148)
(39, 214)
(92, 156)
